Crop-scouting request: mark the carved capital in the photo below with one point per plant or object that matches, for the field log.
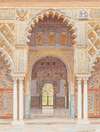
(83, 76)
(21, 14)
(18, 76)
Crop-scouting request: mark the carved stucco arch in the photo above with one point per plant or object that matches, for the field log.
(53, 13)
(93, 62)
(8, 60)
(68, 68)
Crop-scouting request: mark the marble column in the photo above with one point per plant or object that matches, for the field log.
(15, 99)
(79, 108)
(85, 106)
(72, 106)
(21, 98)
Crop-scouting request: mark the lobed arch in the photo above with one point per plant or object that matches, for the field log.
(53, 14)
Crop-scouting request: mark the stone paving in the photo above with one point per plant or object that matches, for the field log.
(55, 125)
(50, 128)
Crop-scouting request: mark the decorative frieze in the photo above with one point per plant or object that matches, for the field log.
(95, 13)
(7, 13)
(24, 13)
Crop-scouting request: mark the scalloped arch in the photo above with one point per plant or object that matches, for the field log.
(59, 16)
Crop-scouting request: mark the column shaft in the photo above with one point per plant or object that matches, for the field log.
(21, 99)
(79, 109)
(15, 100)
(85, 112)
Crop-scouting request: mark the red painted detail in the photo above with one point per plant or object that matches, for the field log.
(95, 92)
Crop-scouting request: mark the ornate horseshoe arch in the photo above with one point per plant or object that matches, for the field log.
(56, 32)
(54, 20)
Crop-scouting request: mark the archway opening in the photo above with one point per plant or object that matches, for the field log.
(49, 87)
(51, 32)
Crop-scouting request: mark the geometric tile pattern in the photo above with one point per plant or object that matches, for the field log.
(93, 38)
(7, 35)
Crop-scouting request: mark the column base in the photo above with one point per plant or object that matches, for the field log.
(17, 122)
(83, 121)
(14, 122)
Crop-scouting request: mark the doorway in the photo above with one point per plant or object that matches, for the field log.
(49, 89)
(47, 98)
